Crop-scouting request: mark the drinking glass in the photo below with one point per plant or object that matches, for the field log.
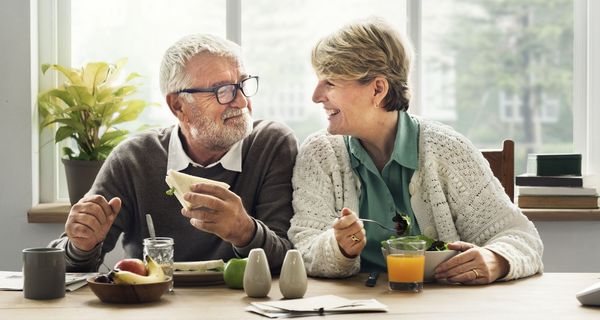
(405, 264)
(161, 249)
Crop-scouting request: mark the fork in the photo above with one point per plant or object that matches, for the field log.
(379, 224)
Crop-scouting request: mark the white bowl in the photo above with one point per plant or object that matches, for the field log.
(432, 260)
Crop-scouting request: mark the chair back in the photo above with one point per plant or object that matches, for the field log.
(502, 163)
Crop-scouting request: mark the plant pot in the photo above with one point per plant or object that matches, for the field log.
(80, 177)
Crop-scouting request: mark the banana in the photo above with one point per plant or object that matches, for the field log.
(155, 274)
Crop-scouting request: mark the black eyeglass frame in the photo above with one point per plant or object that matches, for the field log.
(215, 90)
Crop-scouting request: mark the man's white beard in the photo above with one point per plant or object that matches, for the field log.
(221, 136)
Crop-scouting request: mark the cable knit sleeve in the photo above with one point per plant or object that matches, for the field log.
(456, 191)
(323, 184)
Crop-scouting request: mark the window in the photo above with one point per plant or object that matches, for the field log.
(492, 69)
(140, 31)
(278, 47)
(501, 69)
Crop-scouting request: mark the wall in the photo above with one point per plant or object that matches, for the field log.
(17, 169)
(571, 246)
(17, 138)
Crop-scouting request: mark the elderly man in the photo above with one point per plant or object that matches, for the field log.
(207, 88)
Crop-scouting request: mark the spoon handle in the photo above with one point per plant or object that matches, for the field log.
(150, 226)
(372, 280)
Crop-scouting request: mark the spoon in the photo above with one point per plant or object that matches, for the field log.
(379, 224)
(150, 226)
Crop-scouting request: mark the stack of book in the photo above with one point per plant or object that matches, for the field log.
(554, 181)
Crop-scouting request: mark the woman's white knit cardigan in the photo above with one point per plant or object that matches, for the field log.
(454, 196)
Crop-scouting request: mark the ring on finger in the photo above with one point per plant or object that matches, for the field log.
(476, 273)
(354, 238)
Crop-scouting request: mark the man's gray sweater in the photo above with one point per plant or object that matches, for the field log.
(135, 172)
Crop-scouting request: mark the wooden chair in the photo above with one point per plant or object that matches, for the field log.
(502, 163)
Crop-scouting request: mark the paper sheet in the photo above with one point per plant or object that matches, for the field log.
(314, 306)
(13, 280)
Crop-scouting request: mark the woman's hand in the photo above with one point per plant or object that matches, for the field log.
(349, 234)
(475, 265)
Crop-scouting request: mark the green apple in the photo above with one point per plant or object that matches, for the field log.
(234, 273)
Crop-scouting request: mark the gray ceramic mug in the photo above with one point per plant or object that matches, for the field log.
(43, 273)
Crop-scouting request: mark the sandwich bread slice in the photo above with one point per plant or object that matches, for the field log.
(216, 265)
(180, 183)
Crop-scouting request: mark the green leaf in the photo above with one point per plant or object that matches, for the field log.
(132, 76)
(132, 110)
(45, 68)
(63, 133)
(125, 91)
(428, 242)
(73, 75)
(115, 70)
(71, 123)
(170, 192)
(94, 74)
(108, 136)
(81, 95)
(68, 152)
(62, 95)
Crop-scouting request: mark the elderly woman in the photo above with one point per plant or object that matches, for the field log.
(377, 161)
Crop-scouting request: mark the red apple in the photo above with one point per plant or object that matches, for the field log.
(132, 265)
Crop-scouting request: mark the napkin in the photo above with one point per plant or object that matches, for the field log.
(319, 305)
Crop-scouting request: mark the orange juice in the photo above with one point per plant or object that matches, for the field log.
(405, 272)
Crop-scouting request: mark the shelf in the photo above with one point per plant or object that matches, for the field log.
(49, 213)
(562, 214)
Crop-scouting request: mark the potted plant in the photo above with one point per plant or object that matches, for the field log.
(86, 108)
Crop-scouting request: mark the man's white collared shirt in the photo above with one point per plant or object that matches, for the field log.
(178, 160)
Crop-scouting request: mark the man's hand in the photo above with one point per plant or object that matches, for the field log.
(90, 219)
(475, 265)
(349, 234)
(221, 212)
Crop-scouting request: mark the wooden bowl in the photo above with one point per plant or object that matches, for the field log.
(123, 293)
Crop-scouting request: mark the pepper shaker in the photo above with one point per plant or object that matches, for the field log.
(293, 280)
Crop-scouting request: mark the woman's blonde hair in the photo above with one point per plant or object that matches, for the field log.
(364, 50)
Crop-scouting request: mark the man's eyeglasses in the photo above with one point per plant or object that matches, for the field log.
(227, 92)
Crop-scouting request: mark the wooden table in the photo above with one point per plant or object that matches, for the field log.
(548, 296)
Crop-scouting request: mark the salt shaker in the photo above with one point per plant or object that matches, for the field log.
(293, 280)
(257, 276)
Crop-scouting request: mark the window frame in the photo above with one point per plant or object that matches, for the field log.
(53, 27)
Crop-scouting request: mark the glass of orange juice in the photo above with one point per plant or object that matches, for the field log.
(406, 264)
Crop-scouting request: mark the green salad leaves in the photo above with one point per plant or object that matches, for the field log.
(430, 244)
(170, 192)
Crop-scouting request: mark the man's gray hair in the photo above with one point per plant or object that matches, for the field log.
(172, 75)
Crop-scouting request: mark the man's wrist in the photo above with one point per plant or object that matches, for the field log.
(247, 234)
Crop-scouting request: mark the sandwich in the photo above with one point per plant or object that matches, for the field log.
(209, 265)
(181, 183)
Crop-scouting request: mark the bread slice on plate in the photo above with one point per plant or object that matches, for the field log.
(181, 183)
(199, 265)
